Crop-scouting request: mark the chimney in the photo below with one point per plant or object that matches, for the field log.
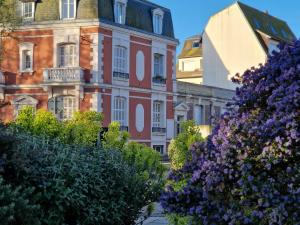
(267, 12)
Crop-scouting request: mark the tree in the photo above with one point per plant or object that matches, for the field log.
(178, 149)
(114, 138)
(83, 129)
(248, 170)
(9, 20)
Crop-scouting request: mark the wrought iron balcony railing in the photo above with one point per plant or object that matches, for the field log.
(63, 75)
(124, 76)
(161, 130)
(159, 80)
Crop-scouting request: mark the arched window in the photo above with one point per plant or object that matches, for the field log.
(62, 106)
(67, 55)
(119, 110)
(20, 102)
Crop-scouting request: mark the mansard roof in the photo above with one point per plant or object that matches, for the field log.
(188, 51)
(266, 24)
(138, 14)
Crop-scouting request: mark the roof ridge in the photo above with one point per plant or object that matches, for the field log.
(260, 11)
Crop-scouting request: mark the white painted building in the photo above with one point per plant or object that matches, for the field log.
(237, 38)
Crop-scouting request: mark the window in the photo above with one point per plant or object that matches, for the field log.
(68, 9)
(273, 29)
(67, 55)
(157, 24)
(158, 15)
(284, 33)
(62, 106)
(159, 148)
(28, 10)
(158, 65)
(257, 23)
(180, 119)
(26, 60)
(120, 11)
(120, 59)
(119, 110)
(273, 46)
(157, 114)
(198, 114)
(26, 57)
(20, 102)
(196, 44)
(217, 112)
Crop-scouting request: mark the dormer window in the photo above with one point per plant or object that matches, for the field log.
(158, 16)
(273, 46)
(120, 11)
(68, 9)
(28, 10)
(273, 29)
(196, 44)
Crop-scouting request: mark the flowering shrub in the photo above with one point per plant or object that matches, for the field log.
(248, 171)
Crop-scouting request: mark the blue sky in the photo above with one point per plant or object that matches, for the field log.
(191, 16)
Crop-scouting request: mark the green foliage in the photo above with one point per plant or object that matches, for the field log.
(178, 150)
(46, 124)
(73, 185)
(114, 138)
(83, 129)
(25, 118)
(16, 207)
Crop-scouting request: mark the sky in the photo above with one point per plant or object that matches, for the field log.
(191, 16)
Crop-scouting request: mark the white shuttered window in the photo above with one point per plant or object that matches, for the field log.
(119, 110)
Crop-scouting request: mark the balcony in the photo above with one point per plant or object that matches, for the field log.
(159, 80)
(72, 75)
(159, 130)
(120, 75)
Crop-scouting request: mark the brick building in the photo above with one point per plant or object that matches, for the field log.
(112, 56)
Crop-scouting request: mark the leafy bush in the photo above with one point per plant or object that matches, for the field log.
(248, 170)
(83, 129)
(178, 149)
(16, 207)
(114, 138)
(72, 185)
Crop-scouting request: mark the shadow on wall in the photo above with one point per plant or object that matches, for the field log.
(215, 73)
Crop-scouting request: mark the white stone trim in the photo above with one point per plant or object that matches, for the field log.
(97, 58)
(96, 102)
(158, 12)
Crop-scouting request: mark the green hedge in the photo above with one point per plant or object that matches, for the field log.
(67, 184)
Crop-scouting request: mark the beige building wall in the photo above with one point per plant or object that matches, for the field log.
(197, 80)
(229, 47)
(190, 64)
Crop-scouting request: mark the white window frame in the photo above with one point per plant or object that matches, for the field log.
(273, 46)
(26, 47)
(61, 9)
(69, 57)
(157, 20)
(120, 16)
(158, 65)
(120, 110)
(157, 114)
(24, 16)
(120, 59)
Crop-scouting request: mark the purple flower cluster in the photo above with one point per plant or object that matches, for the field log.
(248, 171)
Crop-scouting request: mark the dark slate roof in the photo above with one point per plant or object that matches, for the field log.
(262, 22)
(138, 14)
(188, 51)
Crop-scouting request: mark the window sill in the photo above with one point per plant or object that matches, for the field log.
(30, 72)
